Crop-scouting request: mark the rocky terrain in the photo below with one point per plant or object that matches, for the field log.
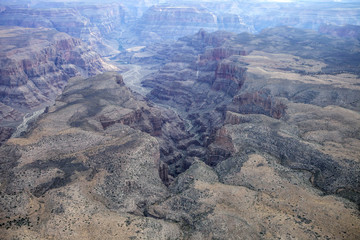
(91, 167)
(168, 22)
(84, 161)
(240, 137)
(238, 16)
(215, 135)
(172, 20)
(36, 64)
(91, 23)
(112, 27)
(347, 31)
(246, 74)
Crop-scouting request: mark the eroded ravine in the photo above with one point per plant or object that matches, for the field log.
(216, 149)
(220, 85)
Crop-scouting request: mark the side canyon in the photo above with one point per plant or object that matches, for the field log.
(116, 125)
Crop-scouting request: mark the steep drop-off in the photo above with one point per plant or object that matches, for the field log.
(239, 137)
(110, 26)
(281, 73)
(91, 167)
(171, 20)
(92, 23)
(96, 141)
(35, 65)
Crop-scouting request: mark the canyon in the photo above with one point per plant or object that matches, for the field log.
(153, 120)
(110, 27)
(36, 64)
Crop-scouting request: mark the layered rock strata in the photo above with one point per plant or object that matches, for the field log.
(108, 180)
(256, 147)
(35, 67)
(94, 148)
(282, 79)
(110, 26)
(171, 22)
(92, 23)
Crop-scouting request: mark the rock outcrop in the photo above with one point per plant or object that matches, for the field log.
(229, 77)
(110, 27)
(237, 76)
(69, 149)
(110, 180)
(92, 23)
(246, 136)
(35, 67)
(169, 22)
(259, 103)
(220, 53)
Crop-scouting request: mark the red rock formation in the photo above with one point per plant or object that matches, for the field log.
(229, 77)
(258, 103)
(221, 148)
(213, 39)
(221, 53)
(35, 65)
(230, 71)
(88, 22)
(233, 118)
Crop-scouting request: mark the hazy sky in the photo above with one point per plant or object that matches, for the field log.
(154, 2)
(163, 1)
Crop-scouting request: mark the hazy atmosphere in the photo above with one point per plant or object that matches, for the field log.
(157, 119)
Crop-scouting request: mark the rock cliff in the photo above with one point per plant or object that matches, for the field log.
(95, 141)
(239, 136)
(289, 112)
(36, 65)
(247, 74)
(92, 23)
(171, 21)
(90, 162)
(167, 22)
(110, 26)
